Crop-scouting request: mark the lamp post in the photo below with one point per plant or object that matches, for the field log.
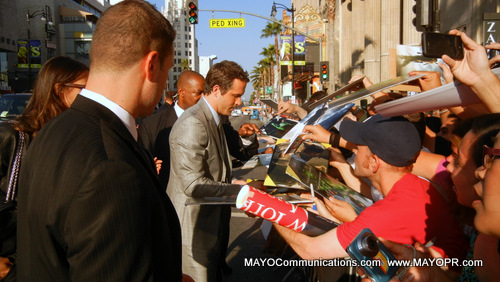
(273, 15)
(30, 16)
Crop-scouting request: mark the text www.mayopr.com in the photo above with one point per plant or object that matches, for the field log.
(419, 262)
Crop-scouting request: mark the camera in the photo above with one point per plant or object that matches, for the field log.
(372, 255)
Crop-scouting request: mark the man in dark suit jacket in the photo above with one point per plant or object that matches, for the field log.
(154, 130)
(91, 207)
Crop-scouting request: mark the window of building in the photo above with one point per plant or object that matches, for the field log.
(187, 53)
(186, 44)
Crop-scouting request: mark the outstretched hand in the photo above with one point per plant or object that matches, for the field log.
(493, 46)
(317, 133)
(248, 129)
(430, 80)
(474, 64)
(289, 108)
(341, 209)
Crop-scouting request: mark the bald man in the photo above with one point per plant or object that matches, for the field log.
(155, 129)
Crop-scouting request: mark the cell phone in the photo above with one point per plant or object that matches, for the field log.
(375, 256)
(435, 45)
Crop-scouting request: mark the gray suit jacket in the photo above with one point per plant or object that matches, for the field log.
(198, 170)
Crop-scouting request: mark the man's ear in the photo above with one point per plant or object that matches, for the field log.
(374, 163)
(216, 90)
(152, 65)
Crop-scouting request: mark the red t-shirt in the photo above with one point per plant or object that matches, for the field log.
(413, 211)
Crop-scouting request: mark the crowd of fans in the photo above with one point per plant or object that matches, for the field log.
(457, 158)
(434, 187)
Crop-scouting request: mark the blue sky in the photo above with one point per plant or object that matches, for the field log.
(241, 45)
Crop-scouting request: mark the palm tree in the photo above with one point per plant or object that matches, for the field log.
(185, 65)
(256, 77)
(273, 29)
(268, 54)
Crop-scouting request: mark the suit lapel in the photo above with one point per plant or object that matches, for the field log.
(217, 136)
(212, 127)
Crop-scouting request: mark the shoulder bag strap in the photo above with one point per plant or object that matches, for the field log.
(11, 190)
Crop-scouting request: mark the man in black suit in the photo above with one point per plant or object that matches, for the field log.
(154, 130)
(91, 207)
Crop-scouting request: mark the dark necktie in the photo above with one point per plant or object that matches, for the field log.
(225, 155)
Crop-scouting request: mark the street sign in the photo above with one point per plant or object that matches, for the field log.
(227, 23)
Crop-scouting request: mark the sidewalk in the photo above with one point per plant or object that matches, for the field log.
(246, 241)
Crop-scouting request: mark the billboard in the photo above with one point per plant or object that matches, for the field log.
(286, 50)
(29, 52)
(22, 54)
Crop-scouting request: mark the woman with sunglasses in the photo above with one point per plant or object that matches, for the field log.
(56, 87)
(488, 208)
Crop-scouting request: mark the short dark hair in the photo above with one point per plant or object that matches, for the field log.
(223, 74)
(126, 32)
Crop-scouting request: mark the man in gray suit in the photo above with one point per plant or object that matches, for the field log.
(200, 167)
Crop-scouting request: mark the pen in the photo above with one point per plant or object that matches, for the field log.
(430, 243)
(312, 194)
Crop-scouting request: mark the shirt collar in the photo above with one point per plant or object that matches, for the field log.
(214, 113)
(178, 110)
(127, 119)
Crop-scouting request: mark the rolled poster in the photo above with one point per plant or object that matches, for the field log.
(281, 212)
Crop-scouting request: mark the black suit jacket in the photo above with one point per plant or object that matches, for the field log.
(154, 132)
(90, 205)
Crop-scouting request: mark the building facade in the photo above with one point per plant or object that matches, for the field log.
(362, 36)
(186, 45)
(33, 31)
(205, 63)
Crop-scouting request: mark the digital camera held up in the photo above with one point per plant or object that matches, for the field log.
(372, 255)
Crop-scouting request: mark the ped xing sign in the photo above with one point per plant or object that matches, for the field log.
(227, 23)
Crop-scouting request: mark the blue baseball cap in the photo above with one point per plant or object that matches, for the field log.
(393, 139)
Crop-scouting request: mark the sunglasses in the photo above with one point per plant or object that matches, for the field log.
(489, 155)
(81, 86)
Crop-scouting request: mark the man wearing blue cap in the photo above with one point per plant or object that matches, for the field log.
(412, 209)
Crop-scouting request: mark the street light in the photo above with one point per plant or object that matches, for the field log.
(30, 16)
(273, 15)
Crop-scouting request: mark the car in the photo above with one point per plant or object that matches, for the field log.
(255, 114)
(236, 113)
(13, 105)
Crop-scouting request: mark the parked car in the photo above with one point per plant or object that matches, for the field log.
(13, 105)
(236, 113)
(255, 114)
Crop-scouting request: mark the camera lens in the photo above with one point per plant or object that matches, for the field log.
(369, 246)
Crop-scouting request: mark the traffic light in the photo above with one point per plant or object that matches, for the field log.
(325, 72)
(423, 15)
(193, 12)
